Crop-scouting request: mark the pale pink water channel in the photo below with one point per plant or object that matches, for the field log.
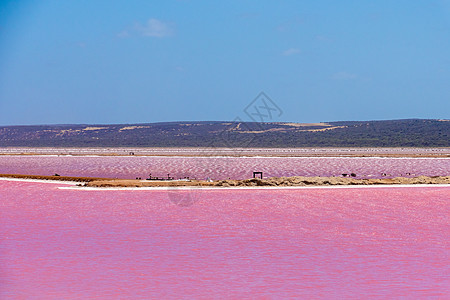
(340, 243)
(221, 167)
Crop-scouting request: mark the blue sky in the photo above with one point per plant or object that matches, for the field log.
(152, 61)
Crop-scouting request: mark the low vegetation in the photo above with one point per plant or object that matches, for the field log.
(393, 133)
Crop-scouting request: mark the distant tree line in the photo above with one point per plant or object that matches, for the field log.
(391, 133)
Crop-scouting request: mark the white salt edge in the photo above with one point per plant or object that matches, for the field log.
(39, 180)
(156, 188)
(81, 188)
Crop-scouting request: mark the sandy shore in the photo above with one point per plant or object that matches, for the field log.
(54, 178)
(274, 181)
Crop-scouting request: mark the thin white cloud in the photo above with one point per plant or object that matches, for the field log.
(290, 24)
(291, 51)
(123, 34)
(155, 28)
(344, 76)
(323, 38)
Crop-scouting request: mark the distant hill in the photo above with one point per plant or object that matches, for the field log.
(392, 133)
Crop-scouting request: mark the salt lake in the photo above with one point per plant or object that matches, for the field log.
(60, 243)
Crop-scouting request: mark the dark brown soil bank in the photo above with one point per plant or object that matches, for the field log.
(274, 181)
(306, 181)
(54, 177)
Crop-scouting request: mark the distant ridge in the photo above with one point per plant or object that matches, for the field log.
(388, 133)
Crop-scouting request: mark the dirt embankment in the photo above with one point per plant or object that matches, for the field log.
(308, 181)
(149, 183)
(55, 177)
(274, 181)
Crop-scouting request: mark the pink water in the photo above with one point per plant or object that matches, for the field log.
(384, 242)
(221, 167)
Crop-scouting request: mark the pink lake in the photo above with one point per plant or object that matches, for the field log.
(377, 242)
(220, 167)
